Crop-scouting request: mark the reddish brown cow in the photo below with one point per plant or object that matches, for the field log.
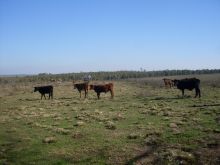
(168, 82)
(82, 87)
(102, 88)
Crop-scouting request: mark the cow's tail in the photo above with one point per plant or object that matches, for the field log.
(198, 91)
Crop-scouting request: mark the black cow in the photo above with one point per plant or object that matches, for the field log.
(188, 83)
(102, 88)
(45, 90)
(81, 87)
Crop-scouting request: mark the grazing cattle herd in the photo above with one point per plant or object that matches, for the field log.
(187, 83)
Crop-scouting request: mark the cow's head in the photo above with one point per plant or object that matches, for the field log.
(175, 82)
(35, 89)
(91, 87)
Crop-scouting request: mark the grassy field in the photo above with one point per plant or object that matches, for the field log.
(145, 123)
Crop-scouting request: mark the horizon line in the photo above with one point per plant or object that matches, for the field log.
(141, 70)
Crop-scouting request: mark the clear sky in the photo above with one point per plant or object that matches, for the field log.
(59, 36)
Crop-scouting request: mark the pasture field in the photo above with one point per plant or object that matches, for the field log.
(145, 123)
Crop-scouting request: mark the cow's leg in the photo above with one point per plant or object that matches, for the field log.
(80, 93)
(98, 95)
(182, 92)
(165, 85)
(45, 97)
(41, 96)
(112, 94)
(197, 92)
(85, 93)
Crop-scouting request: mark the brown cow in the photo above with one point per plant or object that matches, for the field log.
(82, 87)
(103, 88)
(168, 82)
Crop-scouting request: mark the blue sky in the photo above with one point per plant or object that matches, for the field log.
(59, 36)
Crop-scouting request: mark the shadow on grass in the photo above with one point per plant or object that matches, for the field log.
(204, 105)
(143, 155)
(65, 98)
(171, 98)
(30, 99)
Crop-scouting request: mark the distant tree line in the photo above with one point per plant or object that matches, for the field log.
(117, 75)
(120, 75)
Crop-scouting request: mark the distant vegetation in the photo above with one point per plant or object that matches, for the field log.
(117, 75)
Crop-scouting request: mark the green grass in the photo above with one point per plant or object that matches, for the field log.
(106, 131)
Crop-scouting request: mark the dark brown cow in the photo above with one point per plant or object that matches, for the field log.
(102, 88)
(168, 82)
(45, 90)
(82, 87)
(188, 83)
